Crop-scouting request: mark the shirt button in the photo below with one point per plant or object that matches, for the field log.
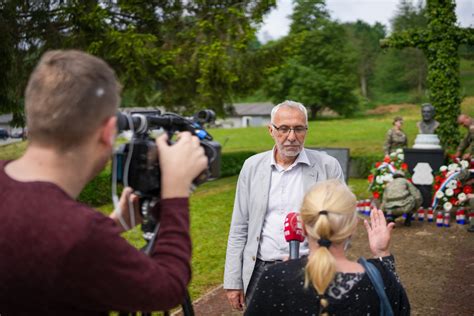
(253, 258)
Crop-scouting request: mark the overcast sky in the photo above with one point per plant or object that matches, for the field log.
(276, 23)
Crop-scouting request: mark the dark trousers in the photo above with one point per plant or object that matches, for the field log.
(256, 274)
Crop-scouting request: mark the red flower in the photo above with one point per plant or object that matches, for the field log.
(453, 201)
(404, 166)
(370, 178)
(444, 173)
(386, 159)
(467, 189)
(436, 187)
(376, 195)
(457, 191)
(377, 164)
(438, 179)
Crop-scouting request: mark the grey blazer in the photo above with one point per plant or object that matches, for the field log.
(250, 206)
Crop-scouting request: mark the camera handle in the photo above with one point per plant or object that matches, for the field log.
(187, 305)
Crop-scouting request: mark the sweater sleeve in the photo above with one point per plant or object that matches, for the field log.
(392, 285)
(104, 272)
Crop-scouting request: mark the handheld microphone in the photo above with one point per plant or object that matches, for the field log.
(294, 233)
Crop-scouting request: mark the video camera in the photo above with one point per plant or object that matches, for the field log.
(136, 164)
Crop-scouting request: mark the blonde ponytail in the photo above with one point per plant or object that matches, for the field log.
(329, 216)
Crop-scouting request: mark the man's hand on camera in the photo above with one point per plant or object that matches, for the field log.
(125, 218)
(180, 164)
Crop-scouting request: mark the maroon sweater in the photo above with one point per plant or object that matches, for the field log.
(60, 257)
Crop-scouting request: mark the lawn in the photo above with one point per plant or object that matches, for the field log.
(363, 135)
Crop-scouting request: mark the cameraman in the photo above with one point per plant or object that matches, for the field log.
(58, 256)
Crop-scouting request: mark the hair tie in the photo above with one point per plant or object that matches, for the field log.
(323, 212)
(323, 242)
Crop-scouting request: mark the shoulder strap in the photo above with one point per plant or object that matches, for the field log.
(376, 279)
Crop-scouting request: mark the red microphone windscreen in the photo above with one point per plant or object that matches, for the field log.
(293, 227)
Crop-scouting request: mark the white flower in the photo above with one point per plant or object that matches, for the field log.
(401, 156)
(399, 151)
(388, 177)
(439, 194)
(449, 192)
(452, 184)
(447, 206)
(379, 179)
(458, 169)
(452, 167)
(443, 168)
(393, 154)
(462, 197)
(464, 164)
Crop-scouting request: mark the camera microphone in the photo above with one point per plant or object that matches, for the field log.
(294, 233)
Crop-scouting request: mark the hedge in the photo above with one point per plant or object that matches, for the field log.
(360, 166)
(98, 191)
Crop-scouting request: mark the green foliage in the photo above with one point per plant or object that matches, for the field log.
(364, 163)
(440, 44)
(317, 69)
(233, 162)
(180, 54)
(364, 40)
(97, 192)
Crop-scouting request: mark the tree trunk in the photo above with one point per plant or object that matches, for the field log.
(363, 85)
(314, 111)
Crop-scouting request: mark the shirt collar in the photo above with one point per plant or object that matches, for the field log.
(301, 159)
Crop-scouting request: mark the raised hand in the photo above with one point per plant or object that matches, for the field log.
(379, 233)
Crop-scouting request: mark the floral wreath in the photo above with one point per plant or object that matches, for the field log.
(383, 172)
(449, 191)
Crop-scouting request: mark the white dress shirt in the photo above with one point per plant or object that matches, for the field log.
(286, 195)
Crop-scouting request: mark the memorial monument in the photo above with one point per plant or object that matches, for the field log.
(427, 155)
(427, 138)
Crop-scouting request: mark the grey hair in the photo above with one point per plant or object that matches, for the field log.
(290, 104)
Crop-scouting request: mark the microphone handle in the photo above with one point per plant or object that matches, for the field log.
(294, 249)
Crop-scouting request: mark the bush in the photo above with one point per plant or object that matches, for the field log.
(231, 163)
(98, 191)
(362, 165)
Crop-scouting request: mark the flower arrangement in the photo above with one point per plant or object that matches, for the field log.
(448, 191)
(383, 172)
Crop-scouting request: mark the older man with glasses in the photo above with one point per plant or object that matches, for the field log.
(271, 185)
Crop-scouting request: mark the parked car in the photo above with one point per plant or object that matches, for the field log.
(17, 134)
(3, 134)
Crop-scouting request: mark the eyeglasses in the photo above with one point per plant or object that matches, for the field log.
(284, 130)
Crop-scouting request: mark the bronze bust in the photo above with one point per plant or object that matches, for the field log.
(428, 125)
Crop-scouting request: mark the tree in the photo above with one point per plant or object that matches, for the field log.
(181, 54)
(316, 68)
(440, 42)
(365, 39)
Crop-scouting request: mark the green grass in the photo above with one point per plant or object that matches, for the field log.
(211, 211)
(363, 135)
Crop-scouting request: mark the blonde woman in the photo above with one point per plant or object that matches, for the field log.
(326, 282)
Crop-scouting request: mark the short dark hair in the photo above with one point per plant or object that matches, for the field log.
(69, 94)
(397, 119)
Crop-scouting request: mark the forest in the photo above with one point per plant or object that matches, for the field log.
(189, 55)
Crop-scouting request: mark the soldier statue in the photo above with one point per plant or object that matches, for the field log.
(428, 125)
(400, 197)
